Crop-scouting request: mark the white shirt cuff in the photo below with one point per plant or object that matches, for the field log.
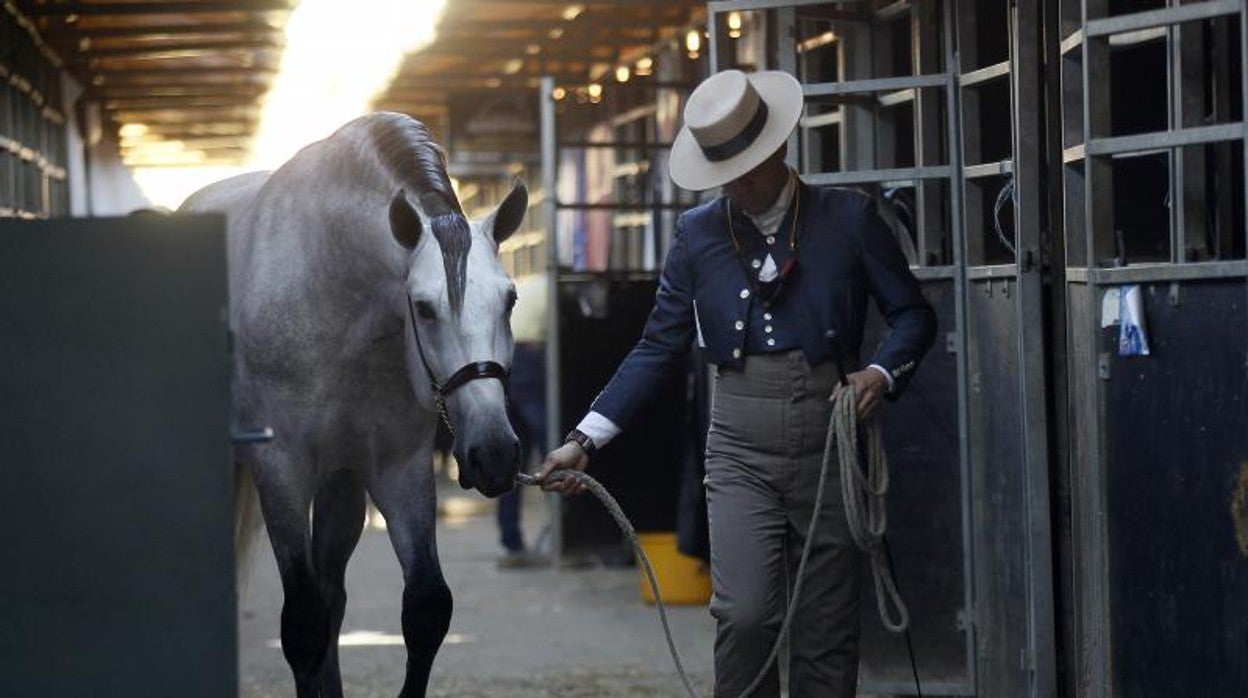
(877, 367)
(598, 428)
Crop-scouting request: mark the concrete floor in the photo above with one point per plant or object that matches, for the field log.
(521, 633)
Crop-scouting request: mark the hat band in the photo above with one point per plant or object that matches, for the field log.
(737, 144)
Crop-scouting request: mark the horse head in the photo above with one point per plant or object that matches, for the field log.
(459, 342)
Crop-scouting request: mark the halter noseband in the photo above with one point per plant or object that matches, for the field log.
(474, 371)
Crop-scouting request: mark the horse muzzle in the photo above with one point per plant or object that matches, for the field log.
(490, 465)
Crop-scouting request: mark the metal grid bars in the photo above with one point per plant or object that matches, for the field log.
(1152, 166)
(1175, 141)
(613, 208)
(32, 125)
(877, 108)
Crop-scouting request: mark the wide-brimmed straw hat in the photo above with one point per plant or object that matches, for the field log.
(733, 122)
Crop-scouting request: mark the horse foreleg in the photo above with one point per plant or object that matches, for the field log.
(337, 521)
(285, 499)
(406, 497)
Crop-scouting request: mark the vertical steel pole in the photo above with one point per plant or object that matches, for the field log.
(1243, 95)
(554, 408)
(1098, 238)
(786, 60)
(1025, 92)
(959, 243)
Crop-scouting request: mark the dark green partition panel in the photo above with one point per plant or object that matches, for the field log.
(116, 482)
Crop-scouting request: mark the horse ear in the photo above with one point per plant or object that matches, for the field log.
(510, 213)
(405, 224)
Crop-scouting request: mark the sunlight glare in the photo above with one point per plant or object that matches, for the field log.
(338, 57)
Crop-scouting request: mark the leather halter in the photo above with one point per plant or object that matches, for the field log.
(473, 371)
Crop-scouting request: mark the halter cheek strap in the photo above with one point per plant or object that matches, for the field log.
(476, 370)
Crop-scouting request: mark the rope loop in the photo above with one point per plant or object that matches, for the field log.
(865, 497)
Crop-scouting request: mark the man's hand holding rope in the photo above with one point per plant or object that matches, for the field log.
(569, 456)
(869, 385)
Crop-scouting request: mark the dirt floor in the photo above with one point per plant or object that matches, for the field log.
(517, 633)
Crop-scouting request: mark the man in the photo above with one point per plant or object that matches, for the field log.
(527, 407)
(772, 279)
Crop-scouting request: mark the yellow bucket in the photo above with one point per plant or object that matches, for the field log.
(682, 579)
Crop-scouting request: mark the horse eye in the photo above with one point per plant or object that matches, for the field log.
(425, 310)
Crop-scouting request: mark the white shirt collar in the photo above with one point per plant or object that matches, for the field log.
(769, 221)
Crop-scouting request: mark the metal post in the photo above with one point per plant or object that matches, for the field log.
(554, 408)
(1098, 234)
(1243, 92)
(1025, 92)
(786, 60)
(959, 243)
(712, 42)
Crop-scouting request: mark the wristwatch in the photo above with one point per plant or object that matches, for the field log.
(579, 438)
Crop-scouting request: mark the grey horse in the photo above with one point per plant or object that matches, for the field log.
(360, 297)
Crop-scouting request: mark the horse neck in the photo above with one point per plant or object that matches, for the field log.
(334, 247)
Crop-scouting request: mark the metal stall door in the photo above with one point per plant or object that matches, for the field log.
(117, 493)
(1152, 160)
(920, 104)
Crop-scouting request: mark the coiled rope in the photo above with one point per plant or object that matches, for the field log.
(863, 496)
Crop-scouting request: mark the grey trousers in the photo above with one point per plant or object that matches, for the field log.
(764, 450)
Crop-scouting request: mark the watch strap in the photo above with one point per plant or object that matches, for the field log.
(581, 439)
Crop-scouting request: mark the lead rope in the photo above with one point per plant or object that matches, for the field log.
(626, 526)
(863, 495)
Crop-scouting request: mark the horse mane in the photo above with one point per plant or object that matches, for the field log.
(408, 153)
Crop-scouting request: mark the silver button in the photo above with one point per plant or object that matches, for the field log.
(771, 239)
(766, 316)
(767, 329)
(745, 293)
(736, 353)
(739, 325)
(771, 342)
(756, 263)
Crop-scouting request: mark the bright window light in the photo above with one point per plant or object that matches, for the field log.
(337, 58)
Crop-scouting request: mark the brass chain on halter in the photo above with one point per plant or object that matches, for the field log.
(444, 412)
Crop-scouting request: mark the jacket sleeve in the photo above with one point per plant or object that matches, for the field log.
(664, 343)
(911, 320)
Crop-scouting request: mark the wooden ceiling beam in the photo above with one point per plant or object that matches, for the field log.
(112, 74)
(178, 89)
(472, 47)
(590, 20)
(206, 141)
(589, 4)
(180, 132)
(187, 118)
(137, 149)
(180, 102)
(187, 49)
(159, 8)
(176, 30)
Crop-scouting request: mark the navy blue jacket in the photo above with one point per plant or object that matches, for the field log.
(845, 253)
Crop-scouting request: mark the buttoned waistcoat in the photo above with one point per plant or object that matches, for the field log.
(845, 254)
